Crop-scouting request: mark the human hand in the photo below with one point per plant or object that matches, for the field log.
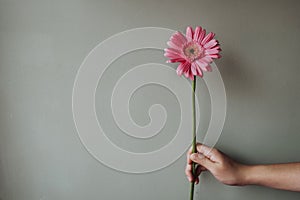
(223, 168)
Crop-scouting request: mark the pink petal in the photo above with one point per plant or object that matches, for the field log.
(189, 74)
(215, 55)
(178, 37)
(189, 33)
(207, 38)
(207, 59)
(174, 45)
(186, 74)
(200, 73)
(217, 47)
(176, 60)
(171, 50)
(193, 69)
(208, 68)
(179, 69)
(211, 51)
(196, 70)
(210, 44)
(202, 64)
(182, 68)
(197, 33)
(176, 42)
(171, 55)
(201, 36)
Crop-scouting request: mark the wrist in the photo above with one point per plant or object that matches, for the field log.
(251, 174)
(246, 175)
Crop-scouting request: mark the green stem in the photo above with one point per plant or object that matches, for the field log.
(194, 136)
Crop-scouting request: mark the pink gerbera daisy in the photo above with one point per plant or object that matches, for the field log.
(194, 51)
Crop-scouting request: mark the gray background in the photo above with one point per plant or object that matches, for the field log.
(42, 44)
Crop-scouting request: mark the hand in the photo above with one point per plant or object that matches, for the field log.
(223, 168)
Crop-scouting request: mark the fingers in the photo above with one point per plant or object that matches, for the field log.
(189, 152)
(188, 168)
(206, 159)
(189, 174)
(201, 148)
(202, 160)
(211, 153)
(197, 173)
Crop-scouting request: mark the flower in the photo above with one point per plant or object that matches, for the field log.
(194, 51)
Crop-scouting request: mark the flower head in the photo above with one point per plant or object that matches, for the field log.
(194, 51)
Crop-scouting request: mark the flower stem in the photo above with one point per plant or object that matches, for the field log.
(194, 137)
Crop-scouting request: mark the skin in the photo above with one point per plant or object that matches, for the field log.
(226, 170)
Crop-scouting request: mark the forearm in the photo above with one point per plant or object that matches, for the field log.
(279, 176)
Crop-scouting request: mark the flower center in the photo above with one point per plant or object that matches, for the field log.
(192, 51)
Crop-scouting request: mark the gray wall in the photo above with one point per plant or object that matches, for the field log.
(42, 44)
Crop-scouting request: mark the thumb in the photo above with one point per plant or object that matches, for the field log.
(202, 160)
